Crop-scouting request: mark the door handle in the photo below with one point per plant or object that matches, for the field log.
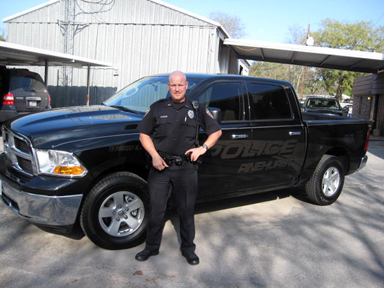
(239, 136)
(294, 133)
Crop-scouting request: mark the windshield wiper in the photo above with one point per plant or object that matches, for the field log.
(124, 109)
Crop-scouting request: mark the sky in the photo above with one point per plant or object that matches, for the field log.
(268, 21)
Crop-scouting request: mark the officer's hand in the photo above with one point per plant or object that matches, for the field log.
(159, 163)
(196, 152)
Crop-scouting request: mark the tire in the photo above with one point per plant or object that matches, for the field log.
(327, 181)
(115, 212)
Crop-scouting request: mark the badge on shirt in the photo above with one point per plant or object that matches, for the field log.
(191, 114)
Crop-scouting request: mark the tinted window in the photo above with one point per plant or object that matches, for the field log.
(38, 86)
(269, 102)
(227, 97)
(19, 84)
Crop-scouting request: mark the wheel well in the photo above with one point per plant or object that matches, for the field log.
(342, 154)
(139, 170)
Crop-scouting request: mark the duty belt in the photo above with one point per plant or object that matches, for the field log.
(176, 159)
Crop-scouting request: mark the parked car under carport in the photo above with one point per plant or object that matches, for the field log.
(327, 105)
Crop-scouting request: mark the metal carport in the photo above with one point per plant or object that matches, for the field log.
(341, 59)
(20, 55)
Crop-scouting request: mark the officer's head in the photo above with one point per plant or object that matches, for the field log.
(178, 85)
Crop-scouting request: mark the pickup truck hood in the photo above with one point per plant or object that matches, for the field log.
(50, 128)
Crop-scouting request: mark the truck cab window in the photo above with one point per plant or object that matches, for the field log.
(269, 102)
(226, 96)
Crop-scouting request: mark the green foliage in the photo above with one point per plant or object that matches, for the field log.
(2, 35)
(360, 36)
(291, 73)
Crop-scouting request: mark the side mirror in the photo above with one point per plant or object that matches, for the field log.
(216, 113)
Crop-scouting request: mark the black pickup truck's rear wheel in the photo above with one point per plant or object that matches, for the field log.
(114, 214)
(327, 181)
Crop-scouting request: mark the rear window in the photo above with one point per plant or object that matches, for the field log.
(19, 84)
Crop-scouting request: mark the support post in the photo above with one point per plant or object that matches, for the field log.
(46, 73)
(88, 83)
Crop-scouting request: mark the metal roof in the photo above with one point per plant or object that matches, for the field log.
(159, 2)
(30, 10)
(349, 60)
(20, 55)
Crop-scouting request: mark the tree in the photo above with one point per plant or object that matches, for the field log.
(2, 35)
(297, 35)
(291, 73)
(232, 24)
(361, 36)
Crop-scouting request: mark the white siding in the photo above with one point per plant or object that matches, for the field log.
(139, 37)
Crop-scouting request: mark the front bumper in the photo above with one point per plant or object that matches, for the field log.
(41, 209)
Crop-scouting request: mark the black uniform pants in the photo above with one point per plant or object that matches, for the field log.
(183, 179)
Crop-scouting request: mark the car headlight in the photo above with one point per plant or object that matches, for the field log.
(59, 163)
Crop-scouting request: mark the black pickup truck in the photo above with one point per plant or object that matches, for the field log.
(85, 165)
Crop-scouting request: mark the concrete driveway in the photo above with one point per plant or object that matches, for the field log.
(268, 240)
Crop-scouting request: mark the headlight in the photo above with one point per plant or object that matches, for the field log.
(59, 163)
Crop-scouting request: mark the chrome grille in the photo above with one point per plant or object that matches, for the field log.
(21, 145)
(25, 165)
(19, 152)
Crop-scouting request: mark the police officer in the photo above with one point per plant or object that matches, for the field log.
(168, 133)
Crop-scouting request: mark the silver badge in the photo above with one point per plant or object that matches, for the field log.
(191, 114)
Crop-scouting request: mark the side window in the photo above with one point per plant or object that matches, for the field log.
(228, 97)
(269, 102)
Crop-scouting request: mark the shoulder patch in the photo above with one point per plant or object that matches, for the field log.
(147, 112)
(208, 113)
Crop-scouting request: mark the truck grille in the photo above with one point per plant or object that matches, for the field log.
(19, 153)
(21, 145)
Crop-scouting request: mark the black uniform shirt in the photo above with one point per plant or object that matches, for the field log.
(173, 125)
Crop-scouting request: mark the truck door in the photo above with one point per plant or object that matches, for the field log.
(218, 174)
(278, 137)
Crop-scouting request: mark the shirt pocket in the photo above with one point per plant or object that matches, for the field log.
(163, 127)
(189, 127)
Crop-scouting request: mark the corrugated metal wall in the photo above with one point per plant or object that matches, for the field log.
(139, 37)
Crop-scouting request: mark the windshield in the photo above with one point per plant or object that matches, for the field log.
(139, 95)
(323, 103)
